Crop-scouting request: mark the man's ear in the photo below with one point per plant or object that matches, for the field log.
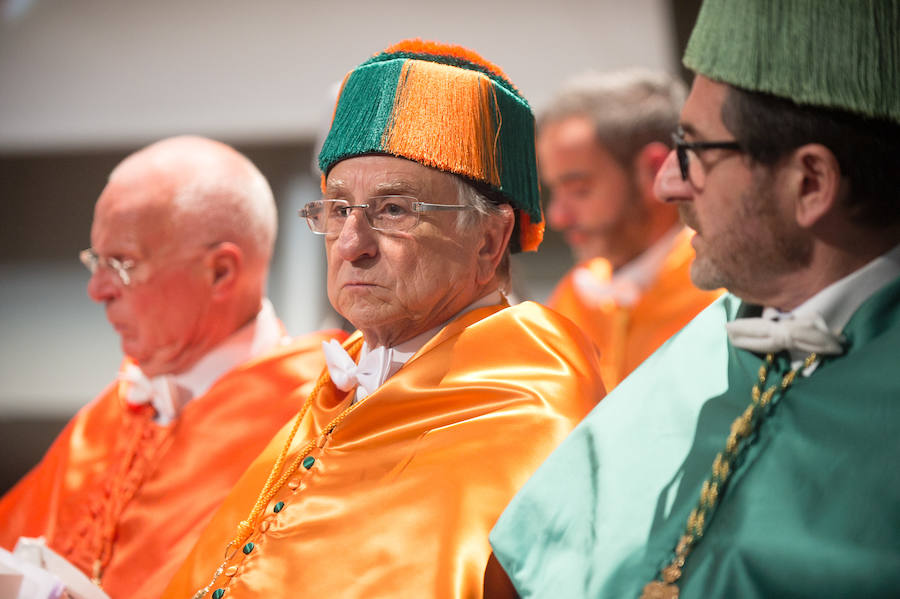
(225, 261)
(646, 164)
(497, 229)
(814, 180)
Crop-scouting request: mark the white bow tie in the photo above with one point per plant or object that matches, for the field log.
(162, 392)
(804, 333)
(369, 374)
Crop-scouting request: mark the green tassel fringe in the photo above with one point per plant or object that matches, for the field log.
(363, 112)
(842, 54)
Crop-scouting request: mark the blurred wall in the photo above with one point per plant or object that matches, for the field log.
(77, 73)
(85, 82)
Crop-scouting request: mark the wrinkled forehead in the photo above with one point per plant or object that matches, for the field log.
(386, 175)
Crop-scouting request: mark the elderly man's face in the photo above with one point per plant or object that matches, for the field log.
(161, 313)
(394, 286)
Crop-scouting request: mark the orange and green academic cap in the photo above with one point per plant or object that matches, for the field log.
(445, 107)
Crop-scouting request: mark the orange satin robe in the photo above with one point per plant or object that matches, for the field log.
(625, 335)
(401, 496)
(113, 474)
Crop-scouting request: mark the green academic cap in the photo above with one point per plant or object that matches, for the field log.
(841, 54)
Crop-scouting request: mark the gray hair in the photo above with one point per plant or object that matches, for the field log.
(484, 208)
(629, 109)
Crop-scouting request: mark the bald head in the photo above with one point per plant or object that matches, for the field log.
(209, 190)
(197, 220)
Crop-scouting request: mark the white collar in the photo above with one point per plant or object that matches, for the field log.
(840, 300)
(400, 354)
(837, 303)
(256, 337)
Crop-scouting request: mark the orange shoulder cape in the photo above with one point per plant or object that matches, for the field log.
(399, 499)
(626, 336)
(118, 489)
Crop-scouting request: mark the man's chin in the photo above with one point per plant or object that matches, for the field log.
(129, 349)
(705, 276)
(135, 352)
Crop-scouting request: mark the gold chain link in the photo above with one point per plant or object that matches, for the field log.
(722, 468)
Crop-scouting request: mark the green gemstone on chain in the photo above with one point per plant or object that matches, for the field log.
(248, 548)
(308, 462)
(217, 594)
(278, 507)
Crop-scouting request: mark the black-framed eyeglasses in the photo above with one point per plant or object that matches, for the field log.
(692, 170)
(391, 213)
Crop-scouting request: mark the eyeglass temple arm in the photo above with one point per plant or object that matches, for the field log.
(427, 206)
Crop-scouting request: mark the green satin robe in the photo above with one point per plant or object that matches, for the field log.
(812, 509)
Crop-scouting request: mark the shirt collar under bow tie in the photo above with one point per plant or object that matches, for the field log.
(161, 392)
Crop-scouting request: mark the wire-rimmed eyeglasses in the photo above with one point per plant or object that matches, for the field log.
(689, 164)
(390, 213)
(92, 260)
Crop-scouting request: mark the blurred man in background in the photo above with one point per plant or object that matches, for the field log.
(181, 241)
(600, 144)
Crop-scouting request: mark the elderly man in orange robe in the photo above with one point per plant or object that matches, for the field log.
(182, 237)
(430, 416)
(600, 144)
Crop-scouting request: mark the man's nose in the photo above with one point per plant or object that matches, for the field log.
(559, 215)
(356, 238)
(668, 186)
(103, 285)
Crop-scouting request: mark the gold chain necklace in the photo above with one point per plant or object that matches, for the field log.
(666, 586)
(274, 482)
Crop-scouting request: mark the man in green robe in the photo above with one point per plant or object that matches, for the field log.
(756, 453)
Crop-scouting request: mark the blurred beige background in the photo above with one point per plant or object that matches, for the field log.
(85, 82)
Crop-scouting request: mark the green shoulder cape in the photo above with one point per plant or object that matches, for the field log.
(813, 506)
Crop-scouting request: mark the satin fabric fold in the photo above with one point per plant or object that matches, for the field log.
(113, 471)
(625, 335)
(401, 496)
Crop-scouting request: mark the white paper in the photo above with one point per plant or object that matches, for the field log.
(20, 579)
(36, 553)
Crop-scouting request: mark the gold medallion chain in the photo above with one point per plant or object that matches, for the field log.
(666, 587)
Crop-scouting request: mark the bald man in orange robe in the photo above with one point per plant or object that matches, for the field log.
(182, 237)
